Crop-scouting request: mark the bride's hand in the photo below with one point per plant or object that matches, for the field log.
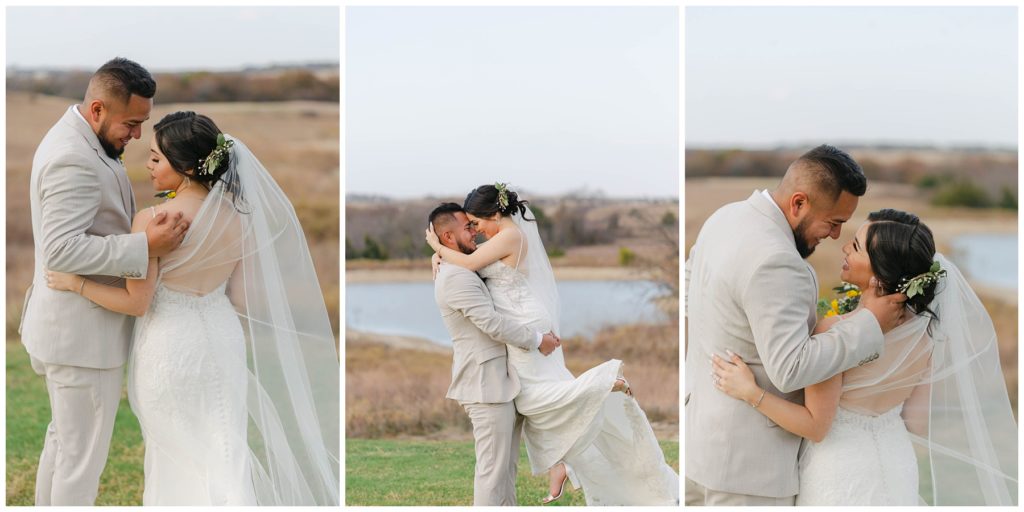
(734, 378)
(62, 281)
(435, 264)
(432, 240)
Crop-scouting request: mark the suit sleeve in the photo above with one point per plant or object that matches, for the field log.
(775, 302)
(468, 295)
(69, 200)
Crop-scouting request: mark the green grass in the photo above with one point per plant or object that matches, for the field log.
(28, 413)
(405, 472)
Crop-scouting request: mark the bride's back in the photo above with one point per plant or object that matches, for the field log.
(210, 252)
(888, 381)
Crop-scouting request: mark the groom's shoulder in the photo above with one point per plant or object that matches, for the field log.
(453, 274)
(62, 146)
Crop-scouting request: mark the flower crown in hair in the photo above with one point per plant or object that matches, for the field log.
(502, 195)
(212, 161)
(915, 285)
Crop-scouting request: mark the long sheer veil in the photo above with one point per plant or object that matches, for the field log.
(537, 267)
(247, 229)
(950, 369)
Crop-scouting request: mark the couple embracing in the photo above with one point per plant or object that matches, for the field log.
(782, 409)
(209, 298)
(500, 304)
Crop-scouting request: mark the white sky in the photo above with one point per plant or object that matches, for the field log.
(171, 38)
(550, 99)
(758, 76)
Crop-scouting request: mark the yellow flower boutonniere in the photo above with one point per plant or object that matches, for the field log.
(849, 297)
(166, 194)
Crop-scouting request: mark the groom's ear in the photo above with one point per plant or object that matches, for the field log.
(96, 107)
(798, 202)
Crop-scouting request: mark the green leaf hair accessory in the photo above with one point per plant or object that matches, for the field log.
(915, 285)
(502, 195)
(212, 161)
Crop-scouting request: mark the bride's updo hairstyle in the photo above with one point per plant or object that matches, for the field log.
(185, 138)
(900, 246)
(483, 202)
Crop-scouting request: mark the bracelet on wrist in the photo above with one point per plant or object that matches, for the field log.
(758, 402)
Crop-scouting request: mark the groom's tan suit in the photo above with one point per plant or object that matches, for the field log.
(482, 381)
(749, 291)
(82, 208)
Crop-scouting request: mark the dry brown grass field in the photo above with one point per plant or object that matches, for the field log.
(395, 387)
(705, 195)
(296, 141)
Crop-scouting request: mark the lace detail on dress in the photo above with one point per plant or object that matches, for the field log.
(187, 385)
(864, 460)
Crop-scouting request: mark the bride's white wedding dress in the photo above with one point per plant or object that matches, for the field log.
(864, 460)
(188, 366)
(938, 384)
(233, 371)
(603, 437)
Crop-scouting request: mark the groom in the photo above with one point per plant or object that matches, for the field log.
(750, 291)
(82, 209)
(482, 381)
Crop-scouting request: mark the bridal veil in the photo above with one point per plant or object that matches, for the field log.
(959, 412)
(248, 230)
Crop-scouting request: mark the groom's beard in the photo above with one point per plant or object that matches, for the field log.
(800, 235)
(464, 248)
(108, 148)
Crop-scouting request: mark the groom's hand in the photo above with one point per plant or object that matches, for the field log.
(888, 309)
(165, 233)
(549, 343)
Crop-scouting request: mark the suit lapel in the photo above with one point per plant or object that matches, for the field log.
(114, 166)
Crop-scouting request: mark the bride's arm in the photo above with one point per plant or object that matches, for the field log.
(811, 420)
(502, 244)
(133, 299)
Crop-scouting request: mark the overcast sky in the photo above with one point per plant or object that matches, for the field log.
(171, 38)
(760, 76)
(550, 99)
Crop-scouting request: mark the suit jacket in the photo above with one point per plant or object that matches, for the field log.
(749, 291)
(82, 209)
(480, 370)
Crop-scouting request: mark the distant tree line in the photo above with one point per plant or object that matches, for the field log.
(973, 179)
(278, 84)
(391, 230)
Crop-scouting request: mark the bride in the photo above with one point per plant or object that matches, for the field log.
(233, 370)
(577, 428)
(938, 384)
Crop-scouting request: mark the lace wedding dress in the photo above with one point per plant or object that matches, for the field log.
(864, 460)
(603, 437)
(867, 457)
(938, 385)
(188, 367)
(233, 371)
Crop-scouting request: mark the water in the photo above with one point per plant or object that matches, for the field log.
(409, 309)
(987, 259)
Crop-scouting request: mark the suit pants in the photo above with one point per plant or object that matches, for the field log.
(497, 429)
(83, 405)
(698, 495)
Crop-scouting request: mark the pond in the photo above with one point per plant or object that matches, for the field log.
(409, 309)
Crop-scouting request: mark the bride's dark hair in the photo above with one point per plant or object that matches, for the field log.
(483, 202)
(185, 138)
(900, 246)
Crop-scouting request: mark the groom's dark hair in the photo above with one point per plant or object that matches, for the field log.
(121, 78)
(443, 214)
(832, 171)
